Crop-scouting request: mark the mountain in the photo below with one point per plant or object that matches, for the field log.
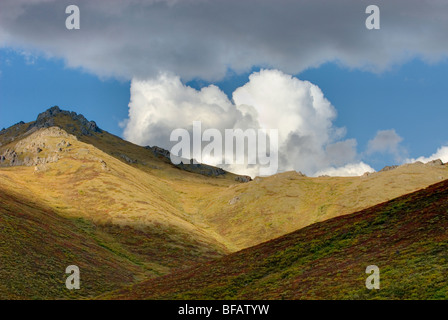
(406, 238)
(64, 174)
(88, 132)
(54, 182)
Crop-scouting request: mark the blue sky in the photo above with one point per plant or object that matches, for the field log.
(28, 87)
(412, 98)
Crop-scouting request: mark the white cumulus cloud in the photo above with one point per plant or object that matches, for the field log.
(308, 140)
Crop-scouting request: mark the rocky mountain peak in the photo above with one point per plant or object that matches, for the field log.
(78, 126)
(46, 119)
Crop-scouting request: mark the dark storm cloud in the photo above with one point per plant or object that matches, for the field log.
(203, 39)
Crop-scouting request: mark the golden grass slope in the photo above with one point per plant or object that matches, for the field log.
(137, 216)
(406, 238)
(92, 180)
(250, 213)
(76, 200)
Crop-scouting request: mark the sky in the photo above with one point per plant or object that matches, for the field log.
(345, 99)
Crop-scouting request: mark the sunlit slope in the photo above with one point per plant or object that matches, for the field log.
(86, 131)
(135, 208)
(407, 238)
(250, 213)
(113, 181)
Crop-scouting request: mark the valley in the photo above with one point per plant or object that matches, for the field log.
(129, 206)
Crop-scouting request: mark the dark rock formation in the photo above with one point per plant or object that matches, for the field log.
(243, 179)
(159, 151)
(203, 169)
(46, 119)
(192, 165)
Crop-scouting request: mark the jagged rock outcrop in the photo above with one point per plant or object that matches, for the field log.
(191, 165)
(243, 179)
(46, 119)
(45, 146)
(36, 149)
(159, 151)
(200, 168)
(10, 134)
(10, 158)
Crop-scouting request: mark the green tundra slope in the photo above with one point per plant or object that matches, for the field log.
(407, 238)
(37, 244)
